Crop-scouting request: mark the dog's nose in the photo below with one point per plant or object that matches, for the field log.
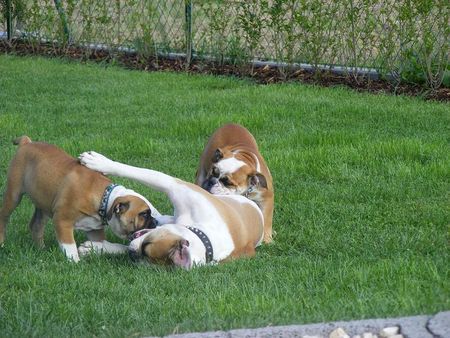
(153, 223)
(134, 256)
(209, 183)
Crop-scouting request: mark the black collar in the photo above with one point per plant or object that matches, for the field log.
(104, 202)
(206, 242)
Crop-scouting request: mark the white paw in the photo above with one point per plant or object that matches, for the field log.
(89, 247)
(97, 162)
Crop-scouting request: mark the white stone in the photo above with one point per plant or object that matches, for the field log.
(312, 337)
(368, 335)
(389, 331)
(339, 333)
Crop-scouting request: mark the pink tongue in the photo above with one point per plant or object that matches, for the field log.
(139, 233)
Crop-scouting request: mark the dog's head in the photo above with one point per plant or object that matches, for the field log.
(235, 173)
(160, 246)
(129, 214)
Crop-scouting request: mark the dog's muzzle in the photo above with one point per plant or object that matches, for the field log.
(209, 183)
(138, 234)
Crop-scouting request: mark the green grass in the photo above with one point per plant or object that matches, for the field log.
(362, 202)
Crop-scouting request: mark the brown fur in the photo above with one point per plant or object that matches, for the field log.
(60, 188)
(163, 248)
(243, 220)
(232, 137)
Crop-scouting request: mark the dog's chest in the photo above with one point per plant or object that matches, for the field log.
(88, 223)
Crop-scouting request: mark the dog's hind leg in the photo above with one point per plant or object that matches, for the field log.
(11, 199)
(37, 224)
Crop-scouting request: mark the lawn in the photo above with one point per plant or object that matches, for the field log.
(362, 202)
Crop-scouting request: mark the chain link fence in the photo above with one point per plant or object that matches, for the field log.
(403, 39)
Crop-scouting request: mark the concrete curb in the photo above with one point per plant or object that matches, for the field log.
(426, 326)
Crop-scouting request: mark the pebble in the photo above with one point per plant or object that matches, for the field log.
(339, 333)
(369, 335)
(389, 331)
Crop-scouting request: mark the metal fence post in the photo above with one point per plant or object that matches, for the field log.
(188, 30)
(8, 20)
(62, 16)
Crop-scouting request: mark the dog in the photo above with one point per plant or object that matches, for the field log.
(204, 228)
(74, 197)
(232, 164)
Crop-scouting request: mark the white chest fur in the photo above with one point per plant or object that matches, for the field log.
(88, 223)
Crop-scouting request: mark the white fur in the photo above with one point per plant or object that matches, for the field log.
(71, 252)
(88, 223)
(229, 165)
(258, 166)
(101, 247)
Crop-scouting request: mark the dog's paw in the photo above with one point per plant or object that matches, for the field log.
(97, 162)
(90, 247)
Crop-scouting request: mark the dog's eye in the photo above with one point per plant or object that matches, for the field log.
(225, 180)
(145, 214)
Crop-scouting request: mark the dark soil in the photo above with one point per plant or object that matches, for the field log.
(262, 75)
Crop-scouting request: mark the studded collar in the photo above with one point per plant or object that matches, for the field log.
(104, 202)
(206, 242)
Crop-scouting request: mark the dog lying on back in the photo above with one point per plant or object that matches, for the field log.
(231, 164)
(204, 228)
(74, 196)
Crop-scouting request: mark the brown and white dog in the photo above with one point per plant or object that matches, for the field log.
(232, 164)
(204, 228)
(74, 197)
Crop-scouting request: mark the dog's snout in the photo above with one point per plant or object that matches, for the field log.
(151, 223)
(209, 183)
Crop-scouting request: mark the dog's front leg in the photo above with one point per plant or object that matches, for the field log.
(152, 178)
(103, 247)
(174, 188)
(66, 240)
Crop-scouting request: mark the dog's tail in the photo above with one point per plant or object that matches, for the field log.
(20, 141)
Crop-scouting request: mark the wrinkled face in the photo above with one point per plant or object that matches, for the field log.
(160, 246)
(129, 214)
(231, 175)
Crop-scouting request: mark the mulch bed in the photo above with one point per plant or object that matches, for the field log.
(262, 75)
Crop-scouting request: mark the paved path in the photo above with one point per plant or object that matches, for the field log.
(427, 326)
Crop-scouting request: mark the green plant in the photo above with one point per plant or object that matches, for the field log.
(17, 10)
(251, 22)
(281, 22)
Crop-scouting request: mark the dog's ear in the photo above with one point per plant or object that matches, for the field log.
(119, 206)
(257, 180)
(218, 155)
(181, 256)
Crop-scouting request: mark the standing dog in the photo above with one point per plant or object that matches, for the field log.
(74, 197)
(232, 164)
(204, 227)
